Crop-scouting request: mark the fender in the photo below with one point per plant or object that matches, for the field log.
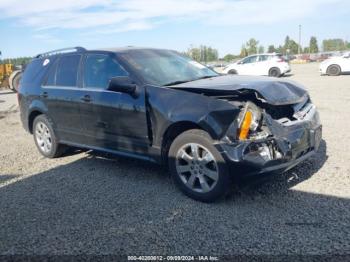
(167, 106)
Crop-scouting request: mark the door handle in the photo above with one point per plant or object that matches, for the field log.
(86, 98)
(44, 95)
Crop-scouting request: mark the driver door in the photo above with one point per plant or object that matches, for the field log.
(112, 120)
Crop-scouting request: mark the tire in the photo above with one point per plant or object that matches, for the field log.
(274, 72)
(333, 70)
(45, 139)
(15, 82)
(232, 72)
(204, 178)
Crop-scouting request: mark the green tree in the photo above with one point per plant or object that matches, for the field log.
(229, 57)
(261, 49)
(290, 46)
(244, 51)
(286, 45)
(279, 49)
(313, 45)
(16, 61)
(335, 44)
(203, 53)
(271, 49)
(306, 50)
(252, 46)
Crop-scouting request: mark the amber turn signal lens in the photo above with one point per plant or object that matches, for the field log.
(244, 130)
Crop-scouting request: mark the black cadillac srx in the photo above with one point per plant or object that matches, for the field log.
(161, 106)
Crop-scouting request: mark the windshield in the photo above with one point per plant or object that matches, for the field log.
(165, 67)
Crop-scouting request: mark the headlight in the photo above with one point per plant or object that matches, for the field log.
(249, 120)
(245, 125)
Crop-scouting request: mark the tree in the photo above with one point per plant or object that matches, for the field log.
(306, 50)
(244, 51)
(203, 53)
(16, 61)
(271, 49)
(290, 46)
(261, 49)
(335, 44)
(229, 57)
(313, 47)
(279, 49)
(252, 46)
(286, 44)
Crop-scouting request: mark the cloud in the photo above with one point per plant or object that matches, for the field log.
(108, 16)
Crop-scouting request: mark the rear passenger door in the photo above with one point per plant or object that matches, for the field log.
(247, 66)
(111, 120)
(262, 66)
(61, 94)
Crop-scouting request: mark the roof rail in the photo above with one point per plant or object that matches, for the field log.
(63, 50)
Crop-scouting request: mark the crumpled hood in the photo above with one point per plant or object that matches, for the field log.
(274, 91)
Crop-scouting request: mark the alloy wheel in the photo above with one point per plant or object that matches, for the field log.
(197, 167)
(43, 137)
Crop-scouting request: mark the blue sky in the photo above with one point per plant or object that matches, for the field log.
(35, 26)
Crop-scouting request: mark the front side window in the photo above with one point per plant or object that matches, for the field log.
(99, 69)
(67, 71)
(250, 59)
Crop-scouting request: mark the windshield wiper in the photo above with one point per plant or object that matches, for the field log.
(185, 81)
(177, 82)
(204, 77)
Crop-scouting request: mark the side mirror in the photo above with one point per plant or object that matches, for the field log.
(122, 84)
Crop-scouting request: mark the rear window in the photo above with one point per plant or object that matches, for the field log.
(67, 71)
(32, 70)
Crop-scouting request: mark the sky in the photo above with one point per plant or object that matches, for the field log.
(29, 27)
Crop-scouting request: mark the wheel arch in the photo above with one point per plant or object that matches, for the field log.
(173, 131)
(33, 114)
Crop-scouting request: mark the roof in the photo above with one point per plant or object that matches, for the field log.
(82, 49)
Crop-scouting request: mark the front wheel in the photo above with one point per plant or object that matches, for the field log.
(232, 72)
(197, 167)
(45, 138)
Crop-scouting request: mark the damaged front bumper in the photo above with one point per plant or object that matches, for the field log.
(290, 143)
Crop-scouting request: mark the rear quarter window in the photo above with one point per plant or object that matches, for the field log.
(32, 71)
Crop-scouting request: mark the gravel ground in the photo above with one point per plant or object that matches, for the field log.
(86, 203)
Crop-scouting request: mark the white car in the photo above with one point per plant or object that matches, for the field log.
(261, 64)
(336, 65)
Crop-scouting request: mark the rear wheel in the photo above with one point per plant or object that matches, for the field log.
(197, 167)
(232, 72)
(45, 138)
(333, 70)
(274, 72)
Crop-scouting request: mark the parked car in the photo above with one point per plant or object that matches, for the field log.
(161, 106)
(263, 64)
(336, 65)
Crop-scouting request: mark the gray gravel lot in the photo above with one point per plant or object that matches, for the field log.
(88, 203)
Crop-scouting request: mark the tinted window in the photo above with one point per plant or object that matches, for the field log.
(32, 70)
(51, 78)
(67, 70)
(263, 58)
(99, 69)
(248, 60)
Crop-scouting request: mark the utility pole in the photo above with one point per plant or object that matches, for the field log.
(299, 47)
